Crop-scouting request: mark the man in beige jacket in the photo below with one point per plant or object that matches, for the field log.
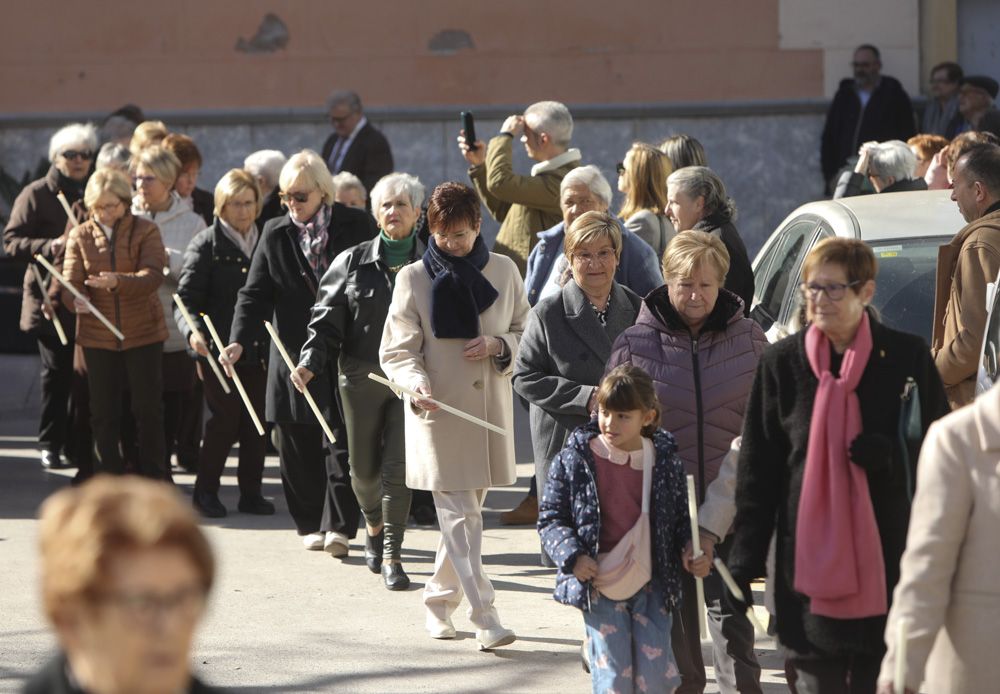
(524, 205)
(965, 265)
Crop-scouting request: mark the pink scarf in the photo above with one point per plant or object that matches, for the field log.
(838, 550)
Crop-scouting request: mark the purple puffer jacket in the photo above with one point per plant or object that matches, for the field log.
(702, 384)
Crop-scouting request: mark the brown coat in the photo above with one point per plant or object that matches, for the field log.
(524, 205)
(444, 452)
(948, 588)
(965, 265)
(36, 220)
(137, 256)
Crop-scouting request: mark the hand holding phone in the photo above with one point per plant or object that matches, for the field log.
(469, 126)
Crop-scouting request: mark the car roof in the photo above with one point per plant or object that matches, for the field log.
(888, 215)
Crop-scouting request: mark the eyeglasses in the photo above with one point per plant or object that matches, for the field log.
(243, 205)
(73, 154)
(600, 258)
(620, 168)
(145, 608)
(834, 291)
(148, 180)
(110, 207)
(297, 197)
(340, 120)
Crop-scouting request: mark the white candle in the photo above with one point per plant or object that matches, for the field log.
(305, 391)
(699, 584)
(902, 633)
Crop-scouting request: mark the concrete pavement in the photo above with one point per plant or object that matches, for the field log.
(284, 619)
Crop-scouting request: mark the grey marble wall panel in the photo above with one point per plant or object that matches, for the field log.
(770, 163)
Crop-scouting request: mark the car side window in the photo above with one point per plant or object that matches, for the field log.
(991, 345)
(778, 271)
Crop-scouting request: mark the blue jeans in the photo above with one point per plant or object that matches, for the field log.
(628, 644)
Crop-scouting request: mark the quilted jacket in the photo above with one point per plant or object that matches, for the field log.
(703, 383)
(569, 516)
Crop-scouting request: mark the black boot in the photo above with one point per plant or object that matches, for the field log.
(394, 576)
(373, 550)
(208, 505)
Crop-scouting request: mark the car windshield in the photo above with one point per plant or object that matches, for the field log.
(904, 293)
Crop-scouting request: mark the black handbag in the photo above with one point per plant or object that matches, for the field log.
(911, 432)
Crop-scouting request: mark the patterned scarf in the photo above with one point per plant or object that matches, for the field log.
(313, 237)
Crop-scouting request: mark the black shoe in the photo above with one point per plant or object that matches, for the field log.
(424, 515)
(258, 506)
(394, 577)
(208, 505)
(52, 460)
(373, 550)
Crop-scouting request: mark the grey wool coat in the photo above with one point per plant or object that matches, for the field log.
(561, 359)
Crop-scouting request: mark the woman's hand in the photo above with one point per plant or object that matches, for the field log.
(475, 157)
(936, 177)
(481, 347)
(699, 566)
(105, 280)
(585, 568)
(80, 306)
(424, 404)
(229, 356)
(300, 378)
(198, 344)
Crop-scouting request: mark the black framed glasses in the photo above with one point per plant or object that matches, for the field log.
(834, 291)
(73, 154)
(620, 168)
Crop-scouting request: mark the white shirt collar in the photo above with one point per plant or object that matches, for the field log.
(570, 155)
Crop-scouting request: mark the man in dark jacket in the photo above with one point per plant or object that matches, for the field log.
(871, 106)
(355, 145)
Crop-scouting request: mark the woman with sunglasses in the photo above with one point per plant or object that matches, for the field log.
(292, 255)
(827, 465)
(38, 224)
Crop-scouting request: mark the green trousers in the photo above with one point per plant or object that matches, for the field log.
(373, 416)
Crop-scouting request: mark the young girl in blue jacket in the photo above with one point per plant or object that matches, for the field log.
(593, 503)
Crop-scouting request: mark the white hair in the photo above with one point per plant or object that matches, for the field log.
(591, 177)
(551, 118)
(344, 96)
(82, 135)
(396, 184)
(345, 180)
(266, 164)
(892, 158)
(113, 155)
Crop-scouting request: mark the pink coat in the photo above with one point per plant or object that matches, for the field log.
(702, 384)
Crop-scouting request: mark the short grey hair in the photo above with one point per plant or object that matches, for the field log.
(344, 96)
(265, 163)
(113, 155)
(345, 180)
(590, 177)
(117, 128)
(396, 184)
(73, 135)
(701, 181)
(892, 158)
(551, 118)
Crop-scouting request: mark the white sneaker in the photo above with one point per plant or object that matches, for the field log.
(336, 544)
(313, 541)
(440, 628)
(494, 638)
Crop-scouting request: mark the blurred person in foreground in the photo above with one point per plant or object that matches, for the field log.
(835, 418)
(890, 167)
(351, 191)
(125, 574)
(642, 177)
(966, 264)
(947, 588)
(265, 167)
(524, 205)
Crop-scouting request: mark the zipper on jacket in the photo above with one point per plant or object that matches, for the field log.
(700, 419)
(118, 317)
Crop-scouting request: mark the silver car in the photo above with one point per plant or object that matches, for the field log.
(904, 229)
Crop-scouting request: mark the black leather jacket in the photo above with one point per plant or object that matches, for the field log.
(213, 273)
(350, 311)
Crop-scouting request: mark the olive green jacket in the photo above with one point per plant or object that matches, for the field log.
(524, 205)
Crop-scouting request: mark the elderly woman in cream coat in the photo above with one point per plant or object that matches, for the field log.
(452, 334)
(948, 589)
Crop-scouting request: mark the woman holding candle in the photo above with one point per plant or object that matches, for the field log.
(823, 466)
(215, 269)
(692, 338)
(452, 333)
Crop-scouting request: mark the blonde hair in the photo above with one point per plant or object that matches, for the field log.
(232, 183)
(162, 162)
(690, 250)
(107, 180)
(646, 180)
(82, 529)
(312, 169)
(147, 133)
(592, 226)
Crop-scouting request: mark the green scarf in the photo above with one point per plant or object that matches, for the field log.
(396, 252)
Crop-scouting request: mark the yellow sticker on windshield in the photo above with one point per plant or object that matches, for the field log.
(887, 251)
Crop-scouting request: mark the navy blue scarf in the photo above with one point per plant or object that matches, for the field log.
(459, 292)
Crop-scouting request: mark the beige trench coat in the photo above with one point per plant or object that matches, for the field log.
(444, 452)
(948, 587)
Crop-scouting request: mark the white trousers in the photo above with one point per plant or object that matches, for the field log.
(458, 566)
